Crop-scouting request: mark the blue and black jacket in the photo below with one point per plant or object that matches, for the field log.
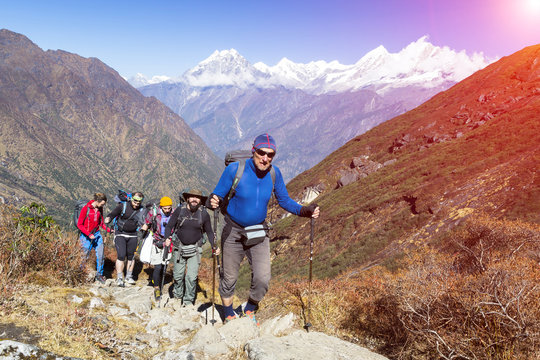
(249, 205)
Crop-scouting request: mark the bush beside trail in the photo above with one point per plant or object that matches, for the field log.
(473, 297)
(33, 248)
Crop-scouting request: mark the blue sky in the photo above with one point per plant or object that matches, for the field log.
(168, 37)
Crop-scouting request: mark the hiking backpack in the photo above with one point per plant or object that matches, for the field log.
(240, 156)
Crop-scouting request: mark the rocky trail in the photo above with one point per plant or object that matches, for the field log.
(173, 331)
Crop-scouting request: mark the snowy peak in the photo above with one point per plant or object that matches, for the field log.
(139, 80)
(226, 67)
(418, 64)
(375, 58)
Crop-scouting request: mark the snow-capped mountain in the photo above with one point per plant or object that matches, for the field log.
(224, 68)
(317, 106)
(139, 80)
(420, 63)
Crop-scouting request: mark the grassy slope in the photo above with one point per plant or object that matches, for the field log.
(490, 168)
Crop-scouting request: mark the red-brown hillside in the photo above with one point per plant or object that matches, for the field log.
(473, 148)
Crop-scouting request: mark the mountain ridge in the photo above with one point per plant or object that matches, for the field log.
(228, 101)
(410, 181)
(228, 67)
(72, 126)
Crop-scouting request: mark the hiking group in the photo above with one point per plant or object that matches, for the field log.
(242, 194)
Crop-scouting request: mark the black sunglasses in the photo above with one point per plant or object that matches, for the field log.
(262, 153)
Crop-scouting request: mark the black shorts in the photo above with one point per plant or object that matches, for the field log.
(125, 246)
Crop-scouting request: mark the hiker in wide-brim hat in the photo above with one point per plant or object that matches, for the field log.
(195, 193)
(186, 226)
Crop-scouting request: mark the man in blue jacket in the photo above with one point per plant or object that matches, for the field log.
(249, 207)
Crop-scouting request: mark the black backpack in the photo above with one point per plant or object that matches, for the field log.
(185, 215)
(240, 156)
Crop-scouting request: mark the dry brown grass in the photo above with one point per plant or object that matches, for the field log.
(476, 298)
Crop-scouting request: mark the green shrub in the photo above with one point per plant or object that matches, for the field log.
(31, 242)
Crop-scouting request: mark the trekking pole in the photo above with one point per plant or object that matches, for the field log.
(214, 260)
(165, 263)
(308, 317)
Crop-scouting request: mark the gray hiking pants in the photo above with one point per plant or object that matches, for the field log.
(185, 269)
(233, 252)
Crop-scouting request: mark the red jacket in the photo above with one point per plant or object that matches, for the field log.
(90, 224)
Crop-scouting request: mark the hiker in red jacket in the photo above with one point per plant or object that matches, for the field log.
(89, 221)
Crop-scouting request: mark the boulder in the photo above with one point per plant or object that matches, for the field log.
(237, 332)
(304, 345)
(15, 350)
(348, 178)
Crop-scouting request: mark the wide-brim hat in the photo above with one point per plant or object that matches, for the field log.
(195, 193)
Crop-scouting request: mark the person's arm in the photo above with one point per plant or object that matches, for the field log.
(81, 219)
(223, 186)
(282, 195)
(113, 214)
(285, 201)
(102, 224)
(172, 222)
(207, 225)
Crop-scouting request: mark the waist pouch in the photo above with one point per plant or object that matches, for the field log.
(254, 234)
(188, 250)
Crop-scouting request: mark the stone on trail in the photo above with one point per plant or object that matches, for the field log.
(174, 355)
(304, 345)
(15, 350)
(239, 331)
(209, 342)
(279, 325)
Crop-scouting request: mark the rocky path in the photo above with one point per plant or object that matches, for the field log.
(172, 331)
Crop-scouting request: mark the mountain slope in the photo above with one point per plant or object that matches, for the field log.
(473, 148)
(71, 126)
(313, 107)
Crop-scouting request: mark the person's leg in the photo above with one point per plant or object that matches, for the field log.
(179, 269)
(156, 275)
(86, 244)
(130, 253)
(192, 264)
(259, 260)
(121, 245)
(100, 258)
(232, 252)
(156, 280)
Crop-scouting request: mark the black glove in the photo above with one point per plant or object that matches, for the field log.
(307, 211)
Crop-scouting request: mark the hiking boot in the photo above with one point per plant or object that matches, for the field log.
(129, 280)
(251, 315)
(157, 294)
(100, 278)
(229, 318)
(120, 282)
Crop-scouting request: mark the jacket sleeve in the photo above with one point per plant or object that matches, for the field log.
(207, 224)
(81, 219)
(102, 224)
(172, 223)
(282, 195)
(225, 181)
(116, 212)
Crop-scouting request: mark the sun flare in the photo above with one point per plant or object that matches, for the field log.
(533, 5)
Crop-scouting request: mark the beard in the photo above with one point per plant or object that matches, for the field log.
(194, 208)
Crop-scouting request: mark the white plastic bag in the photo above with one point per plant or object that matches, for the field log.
(146, 250)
